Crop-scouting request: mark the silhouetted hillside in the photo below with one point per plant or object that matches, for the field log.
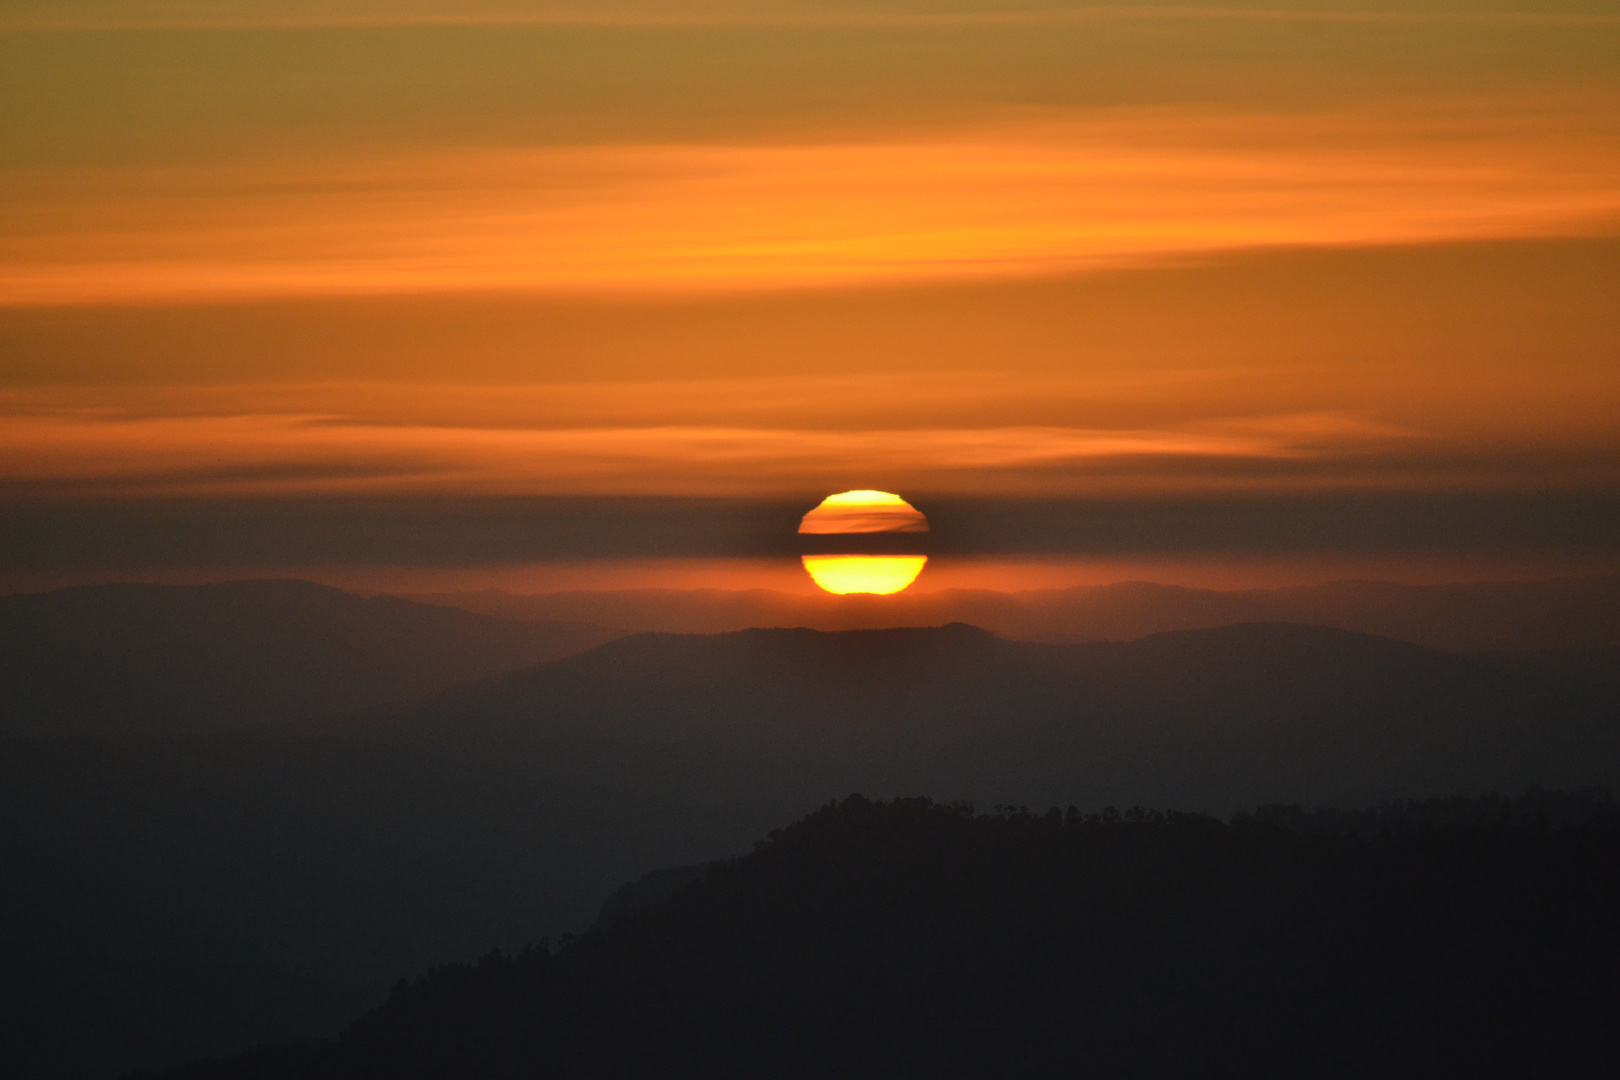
(647, 891)
(1568, 670)
(162, 658)
(343, 855)
(1566, 613)
(919, 940)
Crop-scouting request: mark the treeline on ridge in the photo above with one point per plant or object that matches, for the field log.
(910, 938)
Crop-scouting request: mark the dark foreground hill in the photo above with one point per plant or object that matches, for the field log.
(919, 940)
(271, 884)
(186, 658)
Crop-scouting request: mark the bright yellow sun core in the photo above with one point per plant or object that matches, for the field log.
(864, 573)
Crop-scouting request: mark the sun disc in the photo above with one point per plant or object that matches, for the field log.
(864, 573)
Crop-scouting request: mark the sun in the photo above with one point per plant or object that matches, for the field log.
(854, 540)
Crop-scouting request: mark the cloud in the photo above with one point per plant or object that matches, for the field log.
(75, 448)
(1019, 198)
(100, 538)
(110, 450)
(1040, 434)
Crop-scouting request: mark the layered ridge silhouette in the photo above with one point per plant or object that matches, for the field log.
(333, 856)
(169, 659)
(1210, 718)
(1562, 613)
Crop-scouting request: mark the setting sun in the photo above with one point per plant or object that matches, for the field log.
(852, 539)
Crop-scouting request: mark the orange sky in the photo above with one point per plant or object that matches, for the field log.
(1023, 197)
(700, 250)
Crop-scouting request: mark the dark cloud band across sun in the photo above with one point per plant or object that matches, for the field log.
(446, 531)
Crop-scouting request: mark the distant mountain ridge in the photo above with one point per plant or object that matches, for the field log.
(136, 659)
(1206, 718)
(1563, 613)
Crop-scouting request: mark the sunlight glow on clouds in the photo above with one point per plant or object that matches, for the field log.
(765, 438)
(767, 249)
(1008, 200)
(282, 453)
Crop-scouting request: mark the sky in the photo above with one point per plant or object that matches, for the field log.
(543, 295)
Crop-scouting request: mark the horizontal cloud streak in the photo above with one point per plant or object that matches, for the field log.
(223, 455)
(1032, 434)
(121, 536)
(1019, 198)
(45, 453)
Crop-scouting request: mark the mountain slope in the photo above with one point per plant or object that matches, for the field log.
(156, 658)
(916, 940)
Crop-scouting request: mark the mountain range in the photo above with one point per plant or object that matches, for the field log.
(1560, 613)
(1207, 719)
(164, 659)
(168, 659)
(268, 880)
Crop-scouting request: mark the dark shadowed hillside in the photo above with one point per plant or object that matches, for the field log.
(917, 940)
(1566, 613)
(337, 857)
(162, 658)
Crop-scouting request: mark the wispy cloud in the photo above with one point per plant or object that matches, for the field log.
(1034, 434)
(1014, 199)
(90, 452)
